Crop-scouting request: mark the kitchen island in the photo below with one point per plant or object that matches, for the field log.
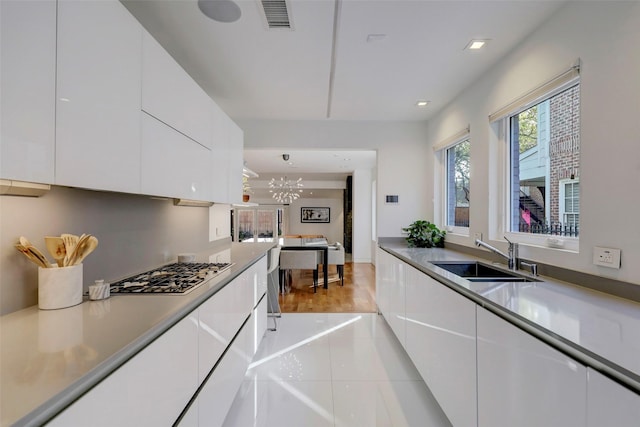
(51, 358)
(542, 352)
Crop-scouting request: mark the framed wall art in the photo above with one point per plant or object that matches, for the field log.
(315, 215)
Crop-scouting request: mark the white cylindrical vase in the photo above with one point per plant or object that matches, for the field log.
(59, 287)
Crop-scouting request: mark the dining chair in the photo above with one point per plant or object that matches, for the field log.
(336, 257)
(298, 260)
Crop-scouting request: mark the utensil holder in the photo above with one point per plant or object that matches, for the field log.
(59, 287)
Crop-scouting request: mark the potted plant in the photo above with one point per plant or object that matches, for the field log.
(423, 234)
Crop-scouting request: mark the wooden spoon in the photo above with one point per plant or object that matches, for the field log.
(26, 252)
(55, 246)
(36, 252)
(78, 249)
(70, 242)
(87, 247)
(26, 244)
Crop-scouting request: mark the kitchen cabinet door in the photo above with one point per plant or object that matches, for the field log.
(441, 342)
(219, 220)
(385, 277)
(172, 165)
(171, 95)
(28, 86)
(259, 277)
(235, 138)
(609, 403)
(220, 318)
(524, 382)
(222, 315)
(98, 89)
(151, 389)
(220, 156)
(396, 318)
(217, 394)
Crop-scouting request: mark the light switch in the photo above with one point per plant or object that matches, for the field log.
(606, 257)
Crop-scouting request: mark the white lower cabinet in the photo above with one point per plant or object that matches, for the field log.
(151, 389)
(390, 292)
(609, 403)
(384, 279)
(523, 382)
(441, 341)
(216, 396)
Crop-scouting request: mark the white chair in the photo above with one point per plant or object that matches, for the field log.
(273, 287)
(336, 257)
(299, 260)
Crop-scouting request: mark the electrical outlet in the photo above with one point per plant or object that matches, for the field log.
(606, 257)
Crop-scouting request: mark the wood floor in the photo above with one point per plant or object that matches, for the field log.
(356, 296)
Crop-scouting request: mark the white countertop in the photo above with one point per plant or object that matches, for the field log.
(600, 330)
(50, 357)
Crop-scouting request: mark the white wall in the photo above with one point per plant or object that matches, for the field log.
(333, 231)
(403, 165)
(361, 242)
(604, 36)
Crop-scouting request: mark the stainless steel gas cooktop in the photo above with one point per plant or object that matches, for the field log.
(174, 279)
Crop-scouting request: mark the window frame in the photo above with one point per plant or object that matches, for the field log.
(562, 197)
(442, 150)
(501, 130)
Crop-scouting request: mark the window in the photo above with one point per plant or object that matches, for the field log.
(458, 179)
(258, 224)
(570, 202)
(544, 165)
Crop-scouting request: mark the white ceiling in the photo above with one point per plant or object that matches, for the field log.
(324, 68)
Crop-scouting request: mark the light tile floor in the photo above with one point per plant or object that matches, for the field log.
(333, 369)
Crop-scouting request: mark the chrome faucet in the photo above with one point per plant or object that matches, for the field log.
(511, 257)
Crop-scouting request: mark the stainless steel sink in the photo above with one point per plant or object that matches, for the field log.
(479, 272)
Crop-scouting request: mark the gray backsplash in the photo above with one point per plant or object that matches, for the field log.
(135, 233)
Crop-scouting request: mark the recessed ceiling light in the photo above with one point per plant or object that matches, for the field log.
(476, 44)
(422, 103)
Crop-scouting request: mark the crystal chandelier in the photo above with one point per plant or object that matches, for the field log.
(285, 190)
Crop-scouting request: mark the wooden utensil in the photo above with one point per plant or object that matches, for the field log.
(70, 242)
(36, 252)
(26, 246)
(84, 249)
(26, 252)
(78, 249)
(55, 246)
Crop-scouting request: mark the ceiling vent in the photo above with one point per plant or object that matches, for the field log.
(276, 13)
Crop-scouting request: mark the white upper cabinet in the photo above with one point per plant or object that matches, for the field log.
(28, 65)
(172, 164)
(236, 161)
(220, 158)
(98, 91)
(172, 96)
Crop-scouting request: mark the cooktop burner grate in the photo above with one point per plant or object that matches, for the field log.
(174, 279)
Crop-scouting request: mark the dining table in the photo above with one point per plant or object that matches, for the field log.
(310, 244)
